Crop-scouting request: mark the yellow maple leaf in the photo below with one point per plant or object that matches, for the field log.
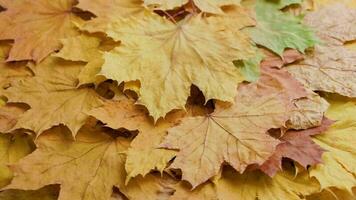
(143, 154)
(37, 27)
(256, 185)
(168, 58)
(12, 148)
(209, 6)
(339, 164)
(86, 168)
(53, 97)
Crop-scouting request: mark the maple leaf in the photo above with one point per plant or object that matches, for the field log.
(55, 81)
(298, 146)
(87, 168)
(277, 31)
(109, 11)
(235, 134)
(256, 185)
(191, 52)
(151, 187)
(339, 164)
(143, 154)
(334, 24)
(208, 6)
(205, 191)
(13, 147)
(329, 69)
(309, 112)
(46, 193)
(86, 50)
(37, 27)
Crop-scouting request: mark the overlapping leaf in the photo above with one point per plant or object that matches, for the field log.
(235, 134)
(194, 51)
(53, 97)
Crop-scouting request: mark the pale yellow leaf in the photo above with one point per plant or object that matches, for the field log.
(196, 51)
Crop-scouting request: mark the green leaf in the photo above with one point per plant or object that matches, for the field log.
(277, 31)
(250, 68)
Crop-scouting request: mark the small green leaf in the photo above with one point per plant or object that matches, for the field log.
(277, 31)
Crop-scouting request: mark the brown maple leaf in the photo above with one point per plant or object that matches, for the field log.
(298, 146)
(235, 134)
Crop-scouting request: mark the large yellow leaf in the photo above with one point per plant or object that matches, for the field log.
(37, 27)
(107, 11)
(256, 185)
(339, 161)
(87, 168)
(235, 134)
(209, 6)
(53, 97)
(12, 148)
(168, 58)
